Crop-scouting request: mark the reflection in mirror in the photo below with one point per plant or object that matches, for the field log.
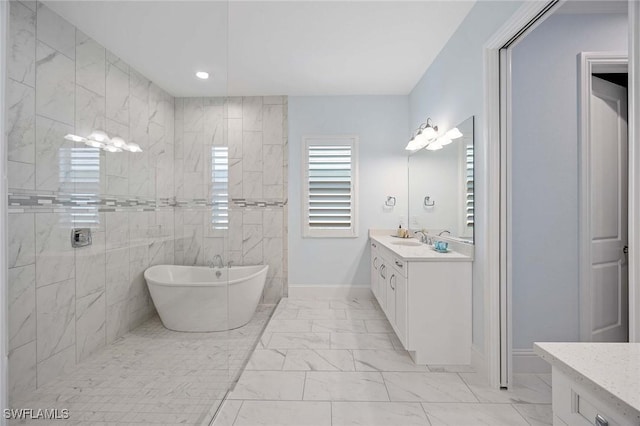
(441, 195)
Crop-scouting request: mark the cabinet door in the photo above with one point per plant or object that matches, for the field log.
(401, 309)
(391, 296)
(375, 265)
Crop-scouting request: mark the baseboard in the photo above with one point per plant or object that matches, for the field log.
(329, 292)
(526, 361)
(478, 361)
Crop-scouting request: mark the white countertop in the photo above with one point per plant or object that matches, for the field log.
(422, 252)
(612, 370)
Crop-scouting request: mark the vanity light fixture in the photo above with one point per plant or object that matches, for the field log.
(202, 75)
(427, 136)
(424, 135)
(99, 139)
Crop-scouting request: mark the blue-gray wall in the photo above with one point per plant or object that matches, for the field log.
(545, 172)
(452, 90)
(381, 124)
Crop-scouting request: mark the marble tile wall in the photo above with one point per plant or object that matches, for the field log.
(255, 131)
(65, 304)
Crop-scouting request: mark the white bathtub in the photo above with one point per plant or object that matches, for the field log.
(192, 298)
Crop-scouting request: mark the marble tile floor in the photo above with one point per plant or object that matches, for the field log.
(338, 362)
(151, 376)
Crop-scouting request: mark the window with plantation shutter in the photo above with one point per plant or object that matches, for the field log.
(220, 187)
(469, 207)
(329, 185)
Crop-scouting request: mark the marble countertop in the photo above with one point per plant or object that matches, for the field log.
(423, 252)
(612, 370)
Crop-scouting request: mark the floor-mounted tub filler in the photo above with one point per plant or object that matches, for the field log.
(201, 299)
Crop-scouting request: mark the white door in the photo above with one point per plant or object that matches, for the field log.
(609, 308)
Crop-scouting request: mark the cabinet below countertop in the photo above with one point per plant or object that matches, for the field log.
(427, 300)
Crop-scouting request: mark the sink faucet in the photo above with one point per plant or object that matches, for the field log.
(217, 261)
(423, 237)
(443, 231)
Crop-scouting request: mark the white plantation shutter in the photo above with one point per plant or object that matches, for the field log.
(220, 187)
(470, 214)
(330, 187)
(79, 177)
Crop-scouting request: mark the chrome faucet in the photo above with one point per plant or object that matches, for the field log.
(423, 237)
(217, 261)
(443, 231)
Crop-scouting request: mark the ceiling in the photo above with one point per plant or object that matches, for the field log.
(272, 47)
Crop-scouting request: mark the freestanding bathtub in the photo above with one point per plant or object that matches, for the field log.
(200, 298)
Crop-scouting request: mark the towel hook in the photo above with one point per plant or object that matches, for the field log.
(391, 201)
(428, 203)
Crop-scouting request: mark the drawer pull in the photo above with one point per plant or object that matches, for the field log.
(601, 421)
(375, 263)
(374, 245)
(399, 264)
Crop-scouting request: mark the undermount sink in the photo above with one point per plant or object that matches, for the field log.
(410, 243)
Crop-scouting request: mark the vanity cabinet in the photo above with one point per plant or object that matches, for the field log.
(427, 302)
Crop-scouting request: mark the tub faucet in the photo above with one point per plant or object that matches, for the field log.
(217, 261)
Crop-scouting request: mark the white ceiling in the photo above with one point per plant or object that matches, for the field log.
(272, 47)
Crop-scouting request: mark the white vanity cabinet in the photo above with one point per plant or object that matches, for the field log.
(426, 297)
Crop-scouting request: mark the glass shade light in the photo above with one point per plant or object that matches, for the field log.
(202, 75)
(118, 142)
(453, 133)
(111, 148)
(444, 140)
(94, 144)
(434, 146)
(133, 147)
(429, 133)
(75, 138)
(99, 136)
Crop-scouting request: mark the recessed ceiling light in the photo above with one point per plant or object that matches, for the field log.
(203, 75)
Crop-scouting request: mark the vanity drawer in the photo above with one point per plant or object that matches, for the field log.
(400, 265)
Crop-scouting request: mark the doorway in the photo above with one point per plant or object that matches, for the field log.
(603, 198)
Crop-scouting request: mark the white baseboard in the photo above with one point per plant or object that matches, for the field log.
(329, 292)
(526, 361)
(478, 361)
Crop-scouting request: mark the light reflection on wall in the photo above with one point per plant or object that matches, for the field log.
(80, 180)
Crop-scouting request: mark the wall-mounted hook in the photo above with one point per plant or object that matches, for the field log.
(390, 202)
(428, 203)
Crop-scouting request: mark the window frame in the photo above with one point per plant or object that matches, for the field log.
(346, 140)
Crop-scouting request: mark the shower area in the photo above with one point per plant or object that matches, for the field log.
(85, 341)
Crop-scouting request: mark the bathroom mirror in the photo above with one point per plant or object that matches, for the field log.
(441, 185)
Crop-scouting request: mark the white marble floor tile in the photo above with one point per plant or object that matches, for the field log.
(378, 414)
(299, 341)
(473, 415)
(385, 360)
(378, 326)
(321, 314)
(353, 304)
(536, 414)
(527, 388)
(266, 359)
(345, 386)
(285, 314)
(427, 387)
(545, 378)
(339, 326)
(289, 326)
(305, 304)
(360, 341)
(451, 369)
(364, 314)
(269, 385)
(228, 413)
(284, 413)
(318, 360)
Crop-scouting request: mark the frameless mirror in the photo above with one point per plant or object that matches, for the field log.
(441, 186)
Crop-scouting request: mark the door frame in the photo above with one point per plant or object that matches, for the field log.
(495, 132)
(590, 62)
(4, 292)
